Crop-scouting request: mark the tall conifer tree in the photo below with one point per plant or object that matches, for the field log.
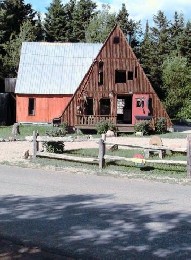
(54, 22)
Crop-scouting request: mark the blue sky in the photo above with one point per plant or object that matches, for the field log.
(138, 9)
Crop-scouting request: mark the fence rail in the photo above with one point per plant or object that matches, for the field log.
(102, 152)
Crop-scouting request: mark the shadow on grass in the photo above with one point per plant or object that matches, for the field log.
(94, 227)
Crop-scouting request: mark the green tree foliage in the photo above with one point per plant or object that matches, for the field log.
(176, 76)
(12, 14)
(68, 16)
(101, 25)
(54, 22)
(176, 29)
(130, 28)
(84, 11)
(13, 46)
(184, 42)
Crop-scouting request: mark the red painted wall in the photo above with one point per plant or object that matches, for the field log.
(47, 107)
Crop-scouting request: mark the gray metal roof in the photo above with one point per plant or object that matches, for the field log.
(54, 68)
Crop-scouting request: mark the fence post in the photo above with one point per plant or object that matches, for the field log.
(34, 144)
(189, 156)
(101, 153)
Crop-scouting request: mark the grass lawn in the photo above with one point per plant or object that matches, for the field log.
(27, 130)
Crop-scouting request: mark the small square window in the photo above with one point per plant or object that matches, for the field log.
(140, 103)
(120, 76)
(130, 75)
(116, 39)
(31, 107)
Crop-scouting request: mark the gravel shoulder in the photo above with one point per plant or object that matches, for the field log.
(14, 151)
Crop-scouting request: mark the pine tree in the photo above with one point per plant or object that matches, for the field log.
(54, 22)
(176, 30)
(13, 46)
(130, 28)
(184, 42)
(84, 11)
(160, 40)
(12, 14)
(101, 25)
(146, 50)
(68, 30)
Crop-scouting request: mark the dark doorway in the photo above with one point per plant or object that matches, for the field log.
(88, 107)
(105, 106)
(124, 109)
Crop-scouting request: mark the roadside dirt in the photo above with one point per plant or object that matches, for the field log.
(14, 151)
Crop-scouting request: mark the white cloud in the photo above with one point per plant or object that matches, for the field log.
(145, 9)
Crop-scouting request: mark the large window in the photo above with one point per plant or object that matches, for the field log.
(31, 107)
(120, 76)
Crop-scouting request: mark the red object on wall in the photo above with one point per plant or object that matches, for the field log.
(46, 107)
(140, 106)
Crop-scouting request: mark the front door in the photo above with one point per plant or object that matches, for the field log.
(140, 106)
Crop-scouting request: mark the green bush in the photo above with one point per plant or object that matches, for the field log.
(54, 147)
(103, 126)
(58, 131)
(161, 125)
(143, 126)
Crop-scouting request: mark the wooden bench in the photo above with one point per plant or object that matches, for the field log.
(150, 151)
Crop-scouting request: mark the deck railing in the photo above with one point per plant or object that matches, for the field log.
(93, 120)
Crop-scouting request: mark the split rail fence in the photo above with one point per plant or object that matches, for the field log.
(102, 157)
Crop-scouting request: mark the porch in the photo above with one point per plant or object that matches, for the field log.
(89, 122)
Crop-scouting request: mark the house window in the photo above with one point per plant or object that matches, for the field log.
(105, 106)
(120, 76)
(100, 78)
(130, 75)
(136, 72)
(116, 40)
(100, 73)
(140, 103)
(31, 107)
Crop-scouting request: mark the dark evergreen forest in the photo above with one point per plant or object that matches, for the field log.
(163, 48)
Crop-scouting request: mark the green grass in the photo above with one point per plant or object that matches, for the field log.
(25, 130)
(150, 171)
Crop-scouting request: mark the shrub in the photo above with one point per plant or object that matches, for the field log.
(103, 126)
(58, 131)
(56, 147)
(161, 125)
(143, 126)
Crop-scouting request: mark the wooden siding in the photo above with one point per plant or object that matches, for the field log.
(114, 57)
(47, 107)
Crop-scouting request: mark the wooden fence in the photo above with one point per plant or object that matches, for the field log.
(102, 152)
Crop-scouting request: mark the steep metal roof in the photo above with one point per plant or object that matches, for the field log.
(54, 68)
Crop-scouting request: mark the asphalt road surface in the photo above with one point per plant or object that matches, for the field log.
(95, 217)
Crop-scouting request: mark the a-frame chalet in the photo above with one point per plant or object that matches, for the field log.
(115, 89)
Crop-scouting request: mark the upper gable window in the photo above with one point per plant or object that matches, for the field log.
(130, 75)
(120, 76)
(116, 39)
(100, 73)
(136, 72)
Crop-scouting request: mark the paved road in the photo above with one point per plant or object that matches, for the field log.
(96, 217)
